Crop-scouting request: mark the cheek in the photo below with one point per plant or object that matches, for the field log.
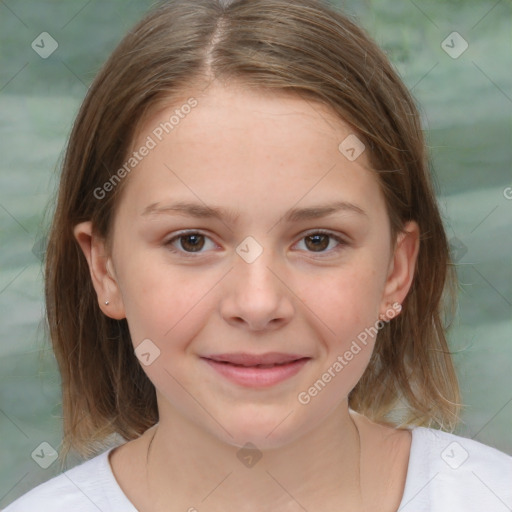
(348, 304)
(348, 308)
(350, 298)
(163, 301)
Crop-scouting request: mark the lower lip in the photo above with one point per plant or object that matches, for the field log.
(254, 377)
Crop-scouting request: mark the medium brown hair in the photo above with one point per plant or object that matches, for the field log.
(305, 48)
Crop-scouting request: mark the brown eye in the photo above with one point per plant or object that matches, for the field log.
(189, 244)
(193, 243)
(318, 242)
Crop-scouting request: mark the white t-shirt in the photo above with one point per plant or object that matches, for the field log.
(446, 473)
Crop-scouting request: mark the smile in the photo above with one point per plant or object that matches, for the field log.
(257, 375)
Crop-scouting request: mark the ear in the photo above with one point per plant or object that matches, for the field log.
(402, 266)
(102, 272)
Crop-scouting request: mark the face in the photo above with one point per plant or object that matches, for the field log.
(246, 232)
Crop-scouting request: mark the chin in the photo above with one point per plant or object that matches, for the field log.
(265, 431)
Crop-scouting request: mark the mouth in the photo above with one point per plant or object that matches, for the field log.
(244, 359)
(252, 370)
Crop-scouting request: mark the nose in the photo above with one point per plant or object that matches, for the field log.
(256, 295)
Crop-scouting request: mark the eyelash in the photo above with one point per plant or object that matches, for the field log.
(341, 242)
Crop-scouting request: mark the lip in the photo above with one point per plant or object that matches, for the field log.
(244, 369)
(245, 359)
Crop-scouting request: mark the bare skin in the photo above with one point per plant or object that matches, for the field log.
(384, 464)
(259, 156)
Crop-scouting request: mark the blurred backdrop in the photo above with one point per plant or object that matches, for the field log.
(455, 57)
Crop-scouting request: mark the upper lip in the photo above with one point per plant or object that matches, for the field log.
(255, 359)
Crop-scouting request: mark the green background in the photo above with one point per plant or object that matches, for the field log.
(466, 105)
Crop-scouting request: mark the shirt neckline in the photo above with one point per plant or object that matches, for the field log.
(412, 468)
(116, 492)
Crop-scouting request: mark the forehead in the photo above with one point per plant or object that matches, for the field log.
(243, 147)
(243, 112)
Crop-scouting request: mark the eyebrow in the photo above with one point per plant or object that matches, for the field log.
(201, 211)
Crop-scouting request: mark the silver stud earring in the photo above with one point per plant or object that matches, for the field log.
(107, 303)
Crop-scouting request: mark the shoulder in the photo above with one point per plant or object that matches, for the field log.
(88, 487)
(450, 451)
(450, 472)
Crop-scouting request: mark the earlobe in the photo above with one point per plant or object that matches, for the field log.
(403, 265)
(100, 268)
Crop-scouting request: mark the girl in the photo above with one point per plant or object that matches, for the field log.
(245, 275)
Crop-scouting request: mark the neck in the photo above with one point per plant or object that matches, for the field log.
(191, 469)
